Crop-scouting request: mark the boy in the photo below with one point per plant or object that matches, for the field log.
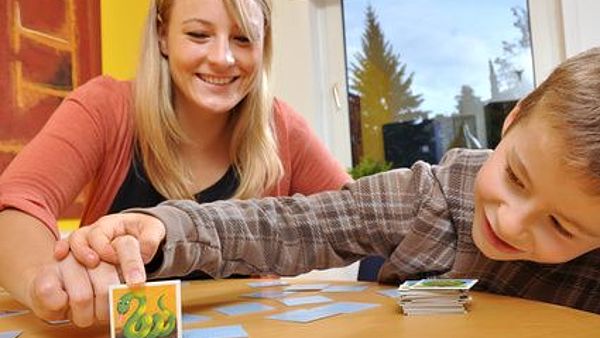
(524, 219)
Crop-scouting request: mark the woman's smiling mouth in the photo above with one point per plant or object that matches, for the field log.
(217, 80)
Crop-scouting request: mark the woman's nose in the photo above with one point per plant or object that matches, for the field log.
(221, 54)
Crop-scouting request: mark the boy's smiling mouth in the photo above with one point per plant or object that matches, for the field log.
(497, 242)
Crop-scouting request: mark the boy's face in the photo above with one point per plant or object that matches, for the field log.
(529, 207)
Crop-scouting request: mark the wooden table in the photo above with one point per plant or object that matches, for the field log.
(490, 316)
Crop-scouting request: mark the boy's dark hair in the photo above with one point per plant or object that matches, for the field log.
(570, 99)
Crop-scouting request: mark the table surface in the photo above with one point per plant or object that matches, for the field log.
(489, 316)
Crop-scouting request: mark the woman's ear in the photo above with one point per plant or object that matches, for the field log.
(508, 121)
(162, 37)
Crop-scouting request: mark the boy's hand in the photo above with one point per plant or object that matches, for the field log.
(129, 240)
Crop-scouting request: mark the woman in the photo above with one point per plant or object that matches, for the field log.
(197, 123)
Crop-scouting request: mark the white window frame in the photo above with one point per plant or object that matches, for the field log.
(309, 71)
(561, 29)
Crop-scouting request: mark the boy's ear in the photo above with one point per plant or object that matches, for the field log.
(510, 117)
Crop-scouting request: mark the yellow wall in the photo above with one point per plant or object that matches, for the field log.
(67, 225)
(121, 24)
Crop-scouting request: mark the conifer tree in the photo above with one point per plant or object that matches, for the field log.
(380, 80)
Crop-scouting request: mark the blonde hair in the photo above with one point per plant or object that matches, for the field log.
(570, 99)
(253, 150)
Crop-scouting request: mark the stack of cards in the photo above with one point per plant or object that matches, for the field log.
(435, 296)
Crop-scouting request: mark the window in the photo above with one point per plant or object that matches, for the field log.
(309, 55)
(426, 76)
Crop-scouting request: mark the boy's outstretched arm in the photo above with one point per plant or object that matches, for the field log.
(400, 215)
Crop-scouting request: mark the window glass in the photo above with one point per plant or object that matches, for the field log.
(425, 76)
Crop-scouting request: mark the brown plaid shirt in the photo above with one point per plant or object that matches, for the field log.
(418, 218)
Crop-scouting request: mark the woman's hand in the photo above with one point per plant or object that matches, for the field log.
(128, 240)
(67, 289)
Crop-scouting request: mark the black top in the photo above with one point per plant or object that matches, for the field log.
(137, 192)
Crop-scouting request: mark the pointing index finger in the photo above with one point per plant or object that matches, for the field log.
(132, 265)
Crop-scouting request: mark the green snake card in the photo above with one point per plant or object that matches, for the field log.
(152, 310)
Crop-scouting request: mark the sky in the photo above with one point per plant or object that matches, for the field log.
(445, 43)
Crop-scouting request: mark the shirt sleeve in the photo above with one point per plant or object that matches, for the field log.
(400, 215)
(53, 168)
(313, 167)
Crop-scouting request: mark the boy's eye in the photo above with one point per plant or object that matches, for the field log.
(513, 178)
(561, 230)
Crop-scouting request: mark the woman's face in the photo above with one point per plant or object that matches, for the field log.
(212, 63)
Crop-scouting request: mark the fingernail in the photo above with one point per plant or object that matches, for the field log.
(135, 277)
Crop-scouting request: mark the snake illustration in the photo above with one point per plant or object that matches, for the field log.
(140, 324)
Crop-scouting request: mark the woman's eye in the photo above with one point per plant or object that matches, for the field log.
(561, 230)
(197, 35)
(512, 177)
(242, 40)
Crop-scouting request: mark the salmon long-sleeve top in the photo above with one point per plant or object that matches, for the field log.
(89, 141)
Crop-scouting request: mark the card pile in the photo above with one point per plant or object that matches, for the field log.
(435, 296)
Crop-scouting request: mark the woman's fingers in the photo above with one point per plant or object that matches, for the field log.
(79, 288)
(61, 249)
(81, 249)
(49, 299)
(101, 277)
